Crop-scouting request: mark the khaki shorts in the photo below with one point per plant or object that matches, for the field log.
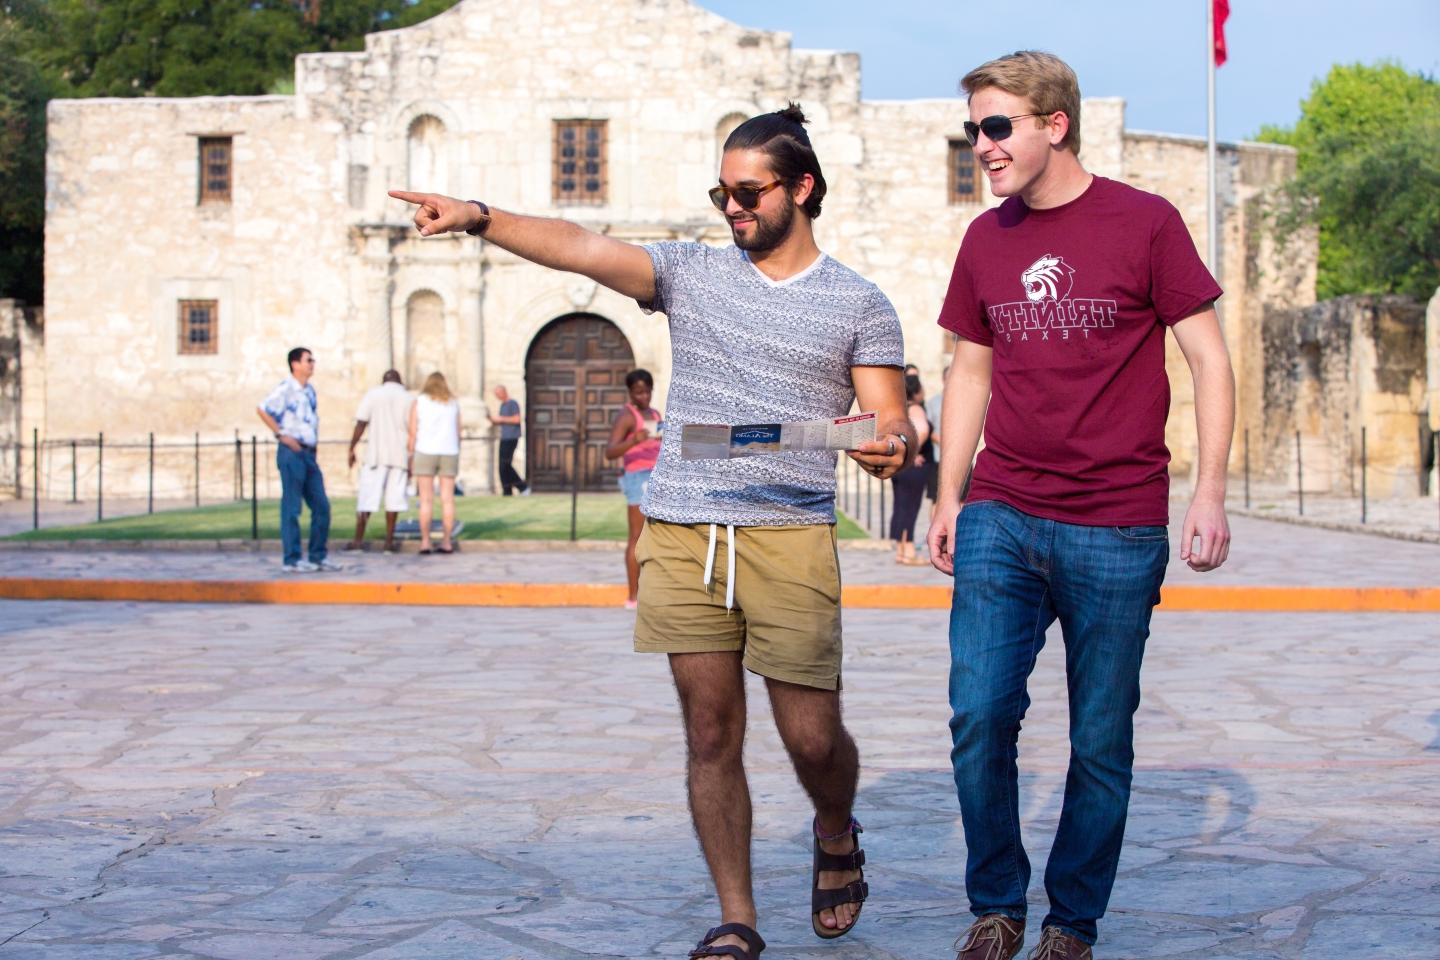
(437, 464)
(786, 615)
(382, 483)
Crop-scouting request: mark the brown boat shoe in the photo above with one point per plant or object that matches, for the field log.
(1056, 944)
(992, 937)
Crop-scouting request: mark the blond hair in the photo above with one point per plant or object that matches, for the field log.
(436, 388)
(1042, 79)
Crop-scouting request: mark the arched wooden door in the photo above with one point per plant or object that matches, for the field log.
(574, 379)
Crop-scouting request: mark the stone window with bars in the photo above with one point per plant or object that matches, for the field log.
(580, 166)
(965, 173)
(199, 327)
(216, 169)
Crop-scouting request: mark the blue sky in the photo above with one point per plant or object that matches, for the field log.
(1151, 52)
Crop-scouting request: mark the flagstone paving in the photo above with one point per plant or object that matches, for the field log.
(308, 783)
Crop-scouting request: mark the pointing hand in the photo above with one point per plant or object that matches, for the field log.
(439, 214)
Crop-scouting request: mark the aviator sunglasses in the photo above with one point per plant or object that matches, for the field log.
(997, 128)
(747, 197)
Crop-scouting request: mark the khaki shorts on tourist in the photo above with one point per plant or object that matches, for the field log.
(437, 464)
(786, 606)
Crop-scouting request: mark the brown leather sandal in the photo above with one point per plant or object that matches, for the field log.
(853, 892)
(751, 951)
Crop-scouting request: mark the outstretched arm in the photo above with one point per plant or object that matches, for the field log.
(558, 244)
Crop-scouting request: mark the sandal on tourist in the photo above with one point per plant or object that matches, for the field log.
(853, 892)
(751, 951)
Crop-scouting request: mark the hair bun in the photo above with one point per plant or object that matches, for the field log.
(793, 113)
(781, 135)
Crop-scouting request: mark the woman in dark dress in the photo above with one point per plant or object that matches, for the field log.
(910, 482)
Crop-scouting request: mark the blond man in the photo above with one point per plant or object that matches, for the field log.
(1061, 298)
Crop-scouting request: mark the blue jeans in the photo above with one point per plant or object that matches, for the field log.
(1015, 575)
(300, 479)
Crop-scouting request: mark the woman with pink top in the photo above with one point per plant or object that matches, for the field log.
(635, 439)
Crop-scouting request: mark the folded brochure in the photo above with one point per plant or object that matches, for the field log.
(721, 441)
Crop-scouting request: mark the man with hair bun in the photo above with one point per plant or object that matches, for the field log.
(738, 566)
(1060, 301)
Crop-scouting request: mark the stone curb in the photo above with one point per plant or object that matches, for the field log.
(1234, 599)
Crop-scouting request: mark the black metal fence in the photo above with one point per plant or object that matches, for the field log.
(1345, 492)
(152, 474)
(170, 473)
(866, 500)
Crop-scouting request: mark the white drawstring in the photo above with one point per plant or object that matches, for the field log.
(730, 570)
(709, 558)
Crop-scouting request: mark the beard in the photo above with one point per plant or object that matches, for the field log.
(769, 232)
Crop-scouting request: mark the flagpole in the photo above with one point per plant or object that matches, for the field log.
(1212, 236)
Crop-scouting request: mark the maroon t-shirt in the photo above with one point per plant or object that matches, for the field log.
(1075, 300)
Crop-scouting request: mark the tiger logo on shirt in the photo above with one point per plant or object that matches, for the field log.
(1049, 307)
(1049, 278)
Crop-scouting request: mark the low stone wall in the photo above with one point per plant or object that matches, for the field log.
(1332, 369)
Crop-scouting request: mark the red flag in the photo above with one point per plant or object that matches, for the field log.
(1221, 13)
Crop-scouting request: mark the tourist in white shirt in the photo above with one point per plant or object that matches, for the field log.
(435, 452)
(384, 475)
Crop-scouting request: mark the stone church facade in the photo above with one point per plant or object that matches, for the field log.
(191, 242)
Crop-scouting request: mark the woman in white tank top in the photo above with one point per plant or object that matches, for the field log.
(435, 452)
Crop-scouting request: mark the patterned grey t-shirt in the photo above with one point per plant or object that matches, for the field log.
(748, 349)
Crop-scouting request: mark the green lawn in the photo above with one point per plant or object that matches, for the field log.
(541, 517)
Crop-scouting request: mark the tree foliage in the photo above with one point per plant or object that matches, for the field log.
(23, 94)
(1368, 143)
(143, 48)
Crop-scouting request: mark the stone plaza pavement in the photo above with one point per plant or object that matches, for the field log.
(256, 782)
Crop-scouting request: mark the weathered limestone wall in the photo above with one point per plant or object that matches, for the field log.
(311, 250)
(1331, 369)
(889, 216)
(126, 240)
(1254, 274)
(670, 80)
